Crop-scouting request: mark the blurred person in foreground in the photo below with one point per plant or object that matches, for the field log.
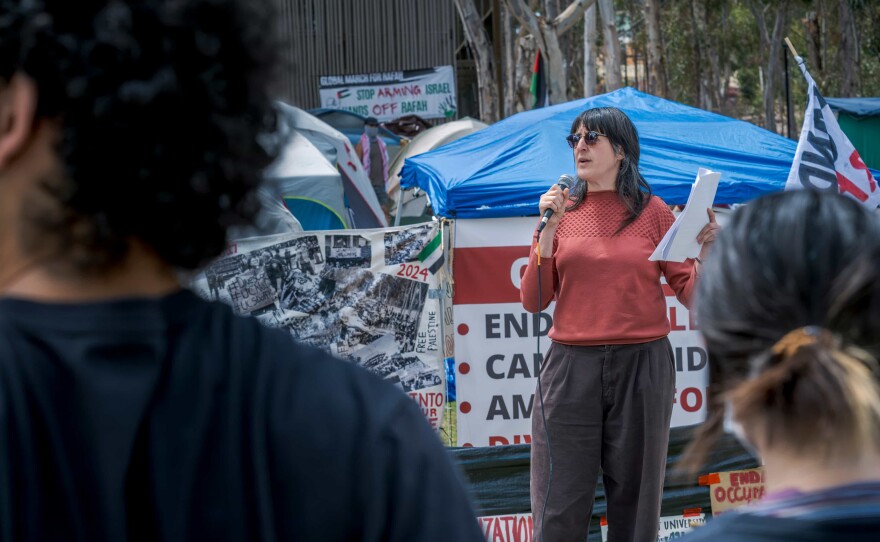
(790, 309)
(132, 135)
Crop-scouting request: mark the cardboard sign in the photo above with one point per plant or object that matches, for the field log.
(729, 490)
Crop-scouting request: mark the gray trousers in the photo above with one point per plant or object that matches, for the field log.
(606, 407)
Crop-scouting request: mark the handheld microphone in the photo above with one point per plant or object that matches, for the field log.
(565, 181)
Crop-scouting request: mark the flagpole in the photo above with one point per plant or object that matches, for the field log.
(791, 47)
(788, 119)
(825, 158)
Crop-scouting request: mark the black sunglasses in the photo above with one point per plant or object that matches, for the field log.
(590, 138)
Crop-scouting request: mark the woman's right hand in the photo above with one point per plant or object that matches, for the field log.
(554, 199)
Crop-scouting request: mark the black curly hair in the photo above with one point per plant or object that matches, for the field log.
(165, 116)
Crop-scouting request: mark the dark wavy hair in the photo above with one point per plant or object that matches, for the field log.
(165, 119)
(803, 262)
(633, 189)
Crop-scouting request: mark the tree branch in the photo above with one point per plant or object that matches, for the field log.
(481, 48)
(526, 17)
(571, 15)
(758, 13)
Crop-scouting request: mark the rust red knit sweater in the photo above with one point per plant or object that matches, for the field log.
(606, 290)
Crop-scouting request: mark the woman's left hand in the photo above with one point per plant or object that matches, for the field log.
(707, 235)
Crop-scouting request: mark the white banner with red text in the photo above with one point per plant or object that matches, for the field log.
(496, 352)
(518, 527)
(428, 93)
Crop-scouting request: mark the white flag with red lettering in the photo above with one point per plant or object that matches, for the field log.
(825, 159)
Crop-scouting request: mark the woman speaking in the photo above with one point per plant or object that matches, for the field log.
(609, 375)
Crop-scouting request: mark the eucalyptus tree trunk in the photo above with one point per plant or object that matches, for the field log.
(546, 30)
(481, 47)
(613, 80)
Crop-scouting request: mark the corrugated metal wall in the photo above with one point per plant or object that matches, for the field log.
(338, 37)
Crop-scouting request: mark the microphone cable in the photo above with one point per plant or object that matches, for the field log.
(541, 392)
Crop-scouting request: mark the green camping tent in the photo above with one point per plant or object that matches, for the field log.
(859, 118)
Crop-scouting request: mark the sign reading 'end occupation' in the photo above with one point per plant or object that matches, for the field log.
(497, 356)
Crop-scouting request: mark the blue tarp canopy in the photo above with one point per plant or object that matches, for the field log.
(863, 107)
(502, 170)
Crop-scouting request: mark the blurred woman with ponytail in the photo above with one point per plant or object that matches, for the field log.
(790, 309)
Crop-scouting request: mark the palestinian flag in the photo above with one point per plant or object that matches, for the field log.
(432, 255)
(538, 88)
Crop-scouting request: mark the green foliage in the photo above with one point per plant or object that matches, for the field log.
(723, 66)
(866, 15)
(681, 61)
(732, 28)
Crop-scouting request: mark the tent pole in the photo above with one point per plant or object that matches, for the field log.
(399, 206)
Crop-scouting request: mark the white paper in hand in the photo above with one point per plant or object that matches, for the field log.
(680, 242)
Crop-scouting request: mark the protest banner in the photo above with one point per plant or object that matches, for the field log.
(729, 490)
(428, 93)
(496, 352)
(507, 528)
(670, 527)
(519, 527)
(375, 297)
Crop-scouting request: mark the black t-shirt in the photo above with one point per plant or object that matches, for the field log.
(173, 419)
